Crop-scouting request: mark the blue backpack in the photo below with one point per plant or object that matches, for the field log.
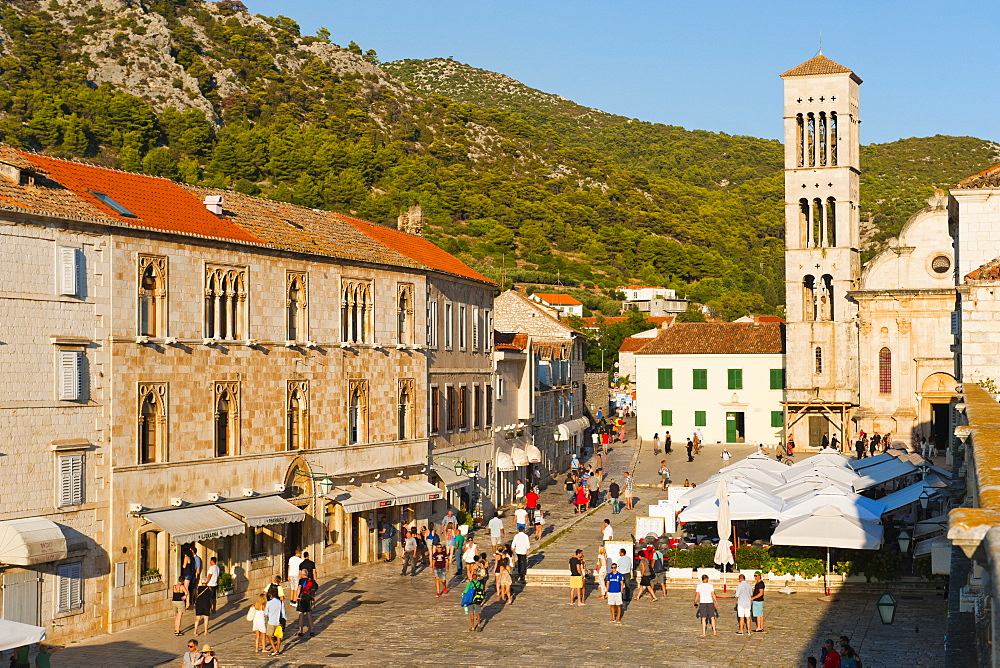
(468, 593)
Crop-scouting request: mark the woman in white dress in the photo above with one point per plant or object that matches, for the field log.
(601, 570)
(256, 615)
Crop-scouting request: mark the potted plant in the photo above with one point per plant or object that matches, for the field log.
(150, 575)
(225, 585)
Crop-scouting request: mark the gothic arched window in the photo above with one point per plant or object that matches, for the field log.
(152, 296)
(152, 423)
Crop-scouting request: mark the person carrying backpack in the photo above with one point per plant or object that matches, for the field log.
(307, 593)
(473, 597)
(659, 571)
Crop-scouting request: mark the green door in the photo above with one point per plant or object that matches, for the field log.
(730, 427)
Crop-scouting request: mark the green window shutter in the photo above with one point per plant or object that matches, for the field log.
(777, 418)
(700, 379)
(777, 379)
(667, 418)
(699, 418)
(735, 379)
(665, 379)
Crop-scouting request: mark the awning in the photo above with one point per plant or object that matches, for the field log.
(413, 491)
(451, 480)
(533, 453)
(16, 634)
(880, 473)
(265, 510)
(567, 429)
(362, 498)
(504, 462)
(519, 456)
(192, 525)
(30, 541)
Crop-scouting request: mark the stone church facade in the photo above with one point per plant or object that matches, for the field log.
(869, 345)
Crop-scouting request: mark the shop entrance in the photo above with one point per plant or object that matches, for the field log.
(292, 539)
(939, 426)
(357, 530)
(20, 597)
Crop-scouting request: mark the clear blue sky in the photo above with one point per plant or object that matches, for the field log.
(929, 67)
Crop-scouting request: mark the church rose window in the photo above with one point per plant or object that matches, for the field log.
(941, 264)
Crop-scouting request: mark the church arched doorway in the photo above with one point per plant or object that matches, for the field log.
(936, 393)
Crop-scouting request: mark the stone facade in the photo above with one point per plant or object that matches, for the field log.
(40, 323)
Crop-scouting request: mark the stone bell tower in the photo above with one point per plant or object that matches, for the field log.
(822, 237)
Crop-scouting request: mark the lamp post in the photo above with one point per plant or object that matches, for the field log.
(904, 539)
(886, 608)
(325, 485)
(925, 498)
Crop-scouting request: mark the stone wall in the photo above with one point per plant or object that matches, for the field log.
(598, 397)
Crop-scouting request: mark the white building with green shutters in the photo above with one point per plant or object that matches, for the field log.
(724, 379)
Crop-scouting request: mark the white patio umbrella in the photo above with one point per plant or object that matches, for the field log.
(853, 505)
(744, 504)
(842, 475)
(807, 485)
(764, 464)
(723, 553)
(826, 457)
(16, 634)
(828, 527)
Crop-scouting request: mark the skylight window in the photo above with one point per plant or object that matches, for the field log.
(112, 204)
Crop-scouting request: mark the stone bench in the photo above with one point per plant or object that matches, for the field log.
(547, 577)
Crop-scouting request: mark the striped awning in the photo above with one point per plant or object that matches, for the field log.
(192, 525)
(265, 510)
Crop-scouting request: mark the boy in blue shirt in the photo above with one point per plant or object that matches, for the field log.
(615, 582)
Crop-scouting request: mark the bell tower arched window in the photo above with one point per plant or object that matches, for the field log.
(810, 140)
(884, 371)
(809, 298)
(833, 138)
(825, 300)
(822, 139)
(799, 139)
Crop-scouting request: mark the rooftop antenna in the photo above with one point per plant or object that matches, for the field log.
(820, 43)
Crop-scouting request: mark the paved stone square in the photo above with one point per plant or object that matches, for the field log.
(374, 616)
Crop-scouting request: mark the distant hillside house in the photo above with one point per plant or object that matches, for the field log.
(626, 354)
(652, 301)
(593, 323)
(724, 379)
(562, 303)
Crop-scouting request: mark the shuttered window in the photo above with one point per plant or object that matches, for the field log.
(70, 375)
(777, 419)
(69, 271)
(699, 379)
(735, 377)
(667, 418)
(70, 594)
(70, 480)
(777, 379)
(699, 418)
(665, 379)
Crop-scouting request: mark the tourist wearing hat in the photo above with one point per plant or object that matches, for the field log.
(208, 659)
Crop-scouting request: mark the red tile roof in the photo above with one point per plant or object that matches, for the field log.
(594, 321)
(819, 64)
(633, 343)
(988, 272)
(718, 338)
(157, 203)
(510, 341)
(988, 178)
(416, 248)
(556, 298)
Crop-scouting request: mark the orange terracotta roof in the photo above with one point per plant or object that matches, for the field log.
(718, 338)
(556, 298)
(510, 341)
(988, 272)
(632, 344)
(768, 318)
(157, 203)
(416, 248)
(988, 178)
(819, 64)
(594, 321)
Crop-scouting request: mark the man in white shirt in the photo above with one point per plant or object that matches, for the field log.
(521, 546)
(496, 530)
(624, 562)
(521, 517)
(707, 604)
(744, 593)
(519, 490)
(293, 569)
(449, 518)
(607, 533)
(213, 578)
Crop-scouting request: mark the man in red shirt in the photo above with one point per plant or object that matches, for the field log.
(530, 503)
(830, 656)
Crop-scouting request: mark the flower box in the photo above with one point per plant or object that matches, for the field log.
(680, 573)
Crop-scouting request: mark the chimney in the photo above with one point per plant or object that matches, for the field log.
(11, 172)
(412, 221)
(214, 204)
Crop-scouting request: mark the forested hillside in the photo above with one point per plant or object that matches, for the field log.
(539, 189)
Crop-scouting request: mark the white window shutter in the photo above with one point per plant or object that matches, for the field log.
(70, 586)
(70, 375)
(70, 480)
(69, 271)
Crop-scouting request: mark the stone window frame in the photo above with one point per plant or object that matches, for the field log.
(296, 305)
(404, 313)
(434, 409)
(356, 309)
(151, 300)
(432, 323)
(226, 302)
(297, 420)
(229, 390)
(405, 393)
(142, 562)
(156, 394)
(357, 413)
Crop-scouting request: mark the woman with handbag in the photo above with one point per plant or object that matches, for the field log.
(601, 571)
(256, 615)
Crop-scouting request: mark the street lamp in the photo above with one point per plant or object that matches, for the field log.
(925, 498)
(325, 485)
(886, 608)
(904, 539)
